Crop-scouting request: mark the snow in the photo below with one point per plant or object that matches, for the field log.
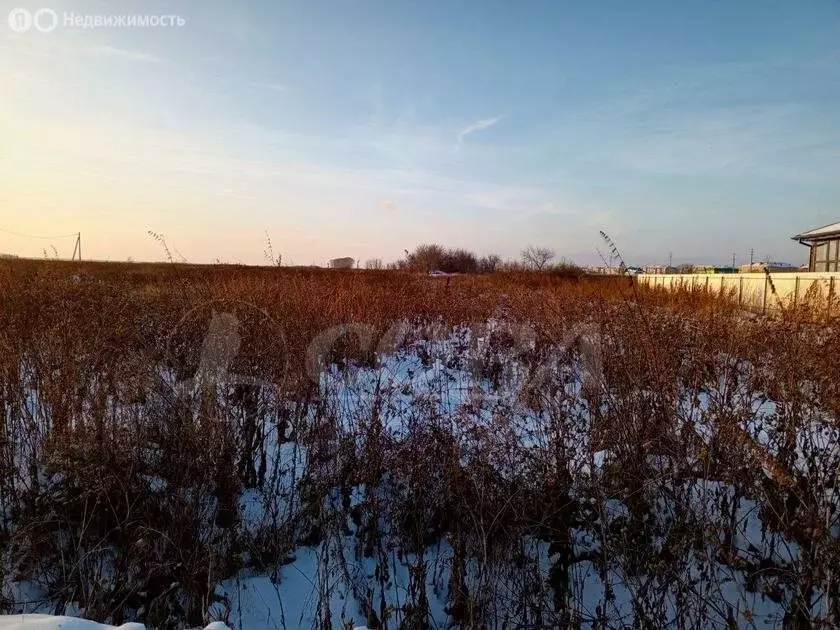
(336, 568)
(444, 373)
(821, 231)
(49, 622)
(459, 378)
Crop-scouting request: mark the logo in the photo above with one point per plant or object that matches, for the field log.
(44, 20)
(227, 343)
(20, 20)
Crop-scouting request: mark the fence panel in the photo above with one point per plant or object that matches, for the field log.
(758, 291)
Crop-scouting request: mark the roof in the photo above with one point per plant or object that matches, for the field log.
(825, 231)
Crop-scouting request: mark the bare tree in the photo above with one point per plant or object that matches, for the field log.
(374, 263)
(489, 264)
(537, 257)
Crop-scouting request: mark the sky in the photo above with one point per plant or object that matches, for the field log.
(361, 128)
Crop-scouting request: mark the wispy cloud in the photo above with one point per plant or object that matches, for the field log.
(274, 87)
(122, 53)
(479, 125)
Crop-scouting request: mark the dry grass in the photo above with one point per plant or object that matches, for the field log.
(121, 496)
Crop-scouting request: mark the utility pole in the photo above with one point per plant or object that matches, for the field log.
(78, 247)
(733, 261)
(671, 259)
(752, 252)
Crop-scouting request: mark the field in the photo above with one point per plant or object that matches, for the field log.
(304, 448)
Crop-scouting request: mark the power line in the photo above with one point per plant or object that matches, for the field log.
(73, 235)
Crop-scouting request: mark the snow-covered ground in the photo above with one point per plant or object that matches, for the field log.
(479, 391)
(452, 378)
(49, 622)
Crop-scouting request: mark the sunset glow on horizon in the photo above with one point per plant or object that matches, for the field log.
(362, 129)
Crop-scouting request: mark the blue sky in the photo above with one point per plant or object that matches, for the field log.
(362, 128)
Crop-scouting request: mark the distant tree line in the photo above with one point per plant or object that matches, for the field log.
(429, 257)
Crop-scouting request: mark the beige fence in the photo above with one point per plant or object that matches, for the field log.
(757, 291)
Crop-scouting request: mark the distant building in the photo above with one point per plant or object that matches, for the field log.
(342, 263)
(606, 271)
(771, 267)
(659, 269)
(825, 247)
